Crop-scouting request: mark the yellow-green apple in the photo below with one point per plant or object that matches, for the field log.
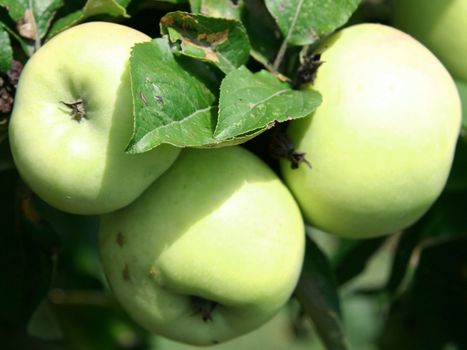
(381, 144)
(441, 25)
(72, 120)
(212, 250)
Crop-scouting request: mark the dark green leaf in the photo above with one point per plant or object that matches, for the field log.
(251, 102)
(218, 8)
(171, 105)
(317, 293)
(445, 220)
(458, 176)
(352, 256)
(433, 311)
(219, 41)
(262, 30)
(6, 52)
(303, 22)
(91, 8)
(27, 250)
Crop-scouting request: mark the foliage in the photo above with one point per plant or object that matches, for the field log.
(229, 69)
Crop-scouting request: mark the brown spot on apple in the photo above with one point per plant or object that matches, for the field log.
(126, 273)
(120, 239)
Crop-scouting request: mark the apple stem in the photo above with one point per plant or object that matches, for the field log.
(203, 307)
(78, 110)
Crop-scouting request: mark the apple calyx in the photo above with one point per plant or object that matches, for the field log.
(203, 307)
(281, 147)
(78, 110)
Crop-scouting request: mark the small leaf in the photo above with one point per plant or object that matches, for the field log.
(6, 52)
(218, 8)
(303, 22)
(91, 8)
(219, 41)
(171, 105)
(317, 293)
(352, 256)
(250, 102)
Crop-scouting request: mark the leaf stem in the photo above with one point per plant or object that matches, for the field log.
(283, 48)
(37, 39)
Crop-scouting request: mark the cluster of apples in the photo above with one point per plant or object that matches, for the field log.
(202, 246)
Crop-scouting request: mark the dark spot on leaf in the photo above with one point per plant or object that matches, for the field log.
(120, 239)
(159, 99)
(215, 341)
(234, 2)
(26, 26)
(126, 273)
(143, 98)
(167, 21)
(281, 6)
(280, 147)
(307, 71)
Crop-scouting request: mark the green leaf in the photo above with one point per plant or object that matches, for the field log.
(218, 8)
(174, 103)
(171, 105)
(15, 8)
(222, 42)
(302, 22)
(32, 17)
(251, 102)
(262, 30)
(91, 8)
(317, 293)
(6, 52)
(352, 256)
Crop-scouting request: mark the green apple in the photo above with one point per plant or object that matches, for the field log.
(72, 120)
(212, 250)
(381, 144)
(441, 25)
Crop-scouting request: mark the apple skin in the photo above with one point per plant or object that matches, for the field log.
(441, 25)
(80, 166)
(381, 144)
(218, 225)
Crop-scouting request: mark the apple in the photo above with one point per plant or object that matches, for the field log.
(73, 118)
(381, 144)
(212, 250)
(441, 25)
